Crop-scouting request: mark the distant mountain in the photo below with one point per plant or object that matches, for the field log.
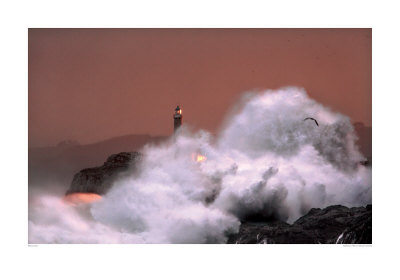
(58, 164)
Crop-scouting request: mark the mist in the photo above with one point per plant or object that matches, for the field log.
(267, 163)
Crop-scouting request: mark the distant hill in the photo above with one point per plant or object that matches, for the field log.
(58, 164)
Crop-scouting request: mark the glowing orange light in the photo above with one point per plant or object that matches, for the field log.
(200, 158)
(180, 112)
(81, 198)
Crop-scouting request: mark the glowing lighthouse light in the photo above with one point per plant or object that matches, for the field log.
(200, 158)
(197, 157)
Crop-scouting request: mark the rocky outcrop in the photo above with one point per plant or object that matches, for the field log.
(334, 224)
(99, 179)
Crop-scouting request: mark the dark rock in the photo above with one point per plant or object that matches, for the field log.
(334, 224)
(360, 232)
(99, 179)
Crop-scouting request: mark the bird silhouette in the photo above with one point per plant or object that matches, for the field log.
(312, 119)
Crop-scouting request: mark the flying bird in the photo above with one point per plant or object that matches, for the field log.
(313, 120)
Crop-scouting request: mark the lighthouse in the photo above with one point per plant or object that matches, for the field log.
(177, 118)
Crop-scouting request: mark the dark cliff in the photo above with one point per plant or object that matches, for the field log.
(99, 179)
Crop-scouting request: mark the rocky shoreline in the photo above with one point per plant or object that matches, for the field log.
(335, 224)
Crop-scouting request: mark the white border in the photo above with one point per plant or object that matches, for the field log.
(197, 261)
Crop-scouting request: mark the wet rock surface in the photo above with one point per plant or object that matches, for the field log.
(99, 179)
(332, 225)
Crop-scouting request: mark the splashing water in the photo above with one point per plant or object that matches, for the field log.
(266, 163)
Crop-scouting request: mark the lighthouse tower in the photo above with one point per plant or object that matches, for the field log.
(177, 118)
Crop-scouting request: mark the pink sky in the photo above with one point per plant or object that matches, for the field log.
(93, 84)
